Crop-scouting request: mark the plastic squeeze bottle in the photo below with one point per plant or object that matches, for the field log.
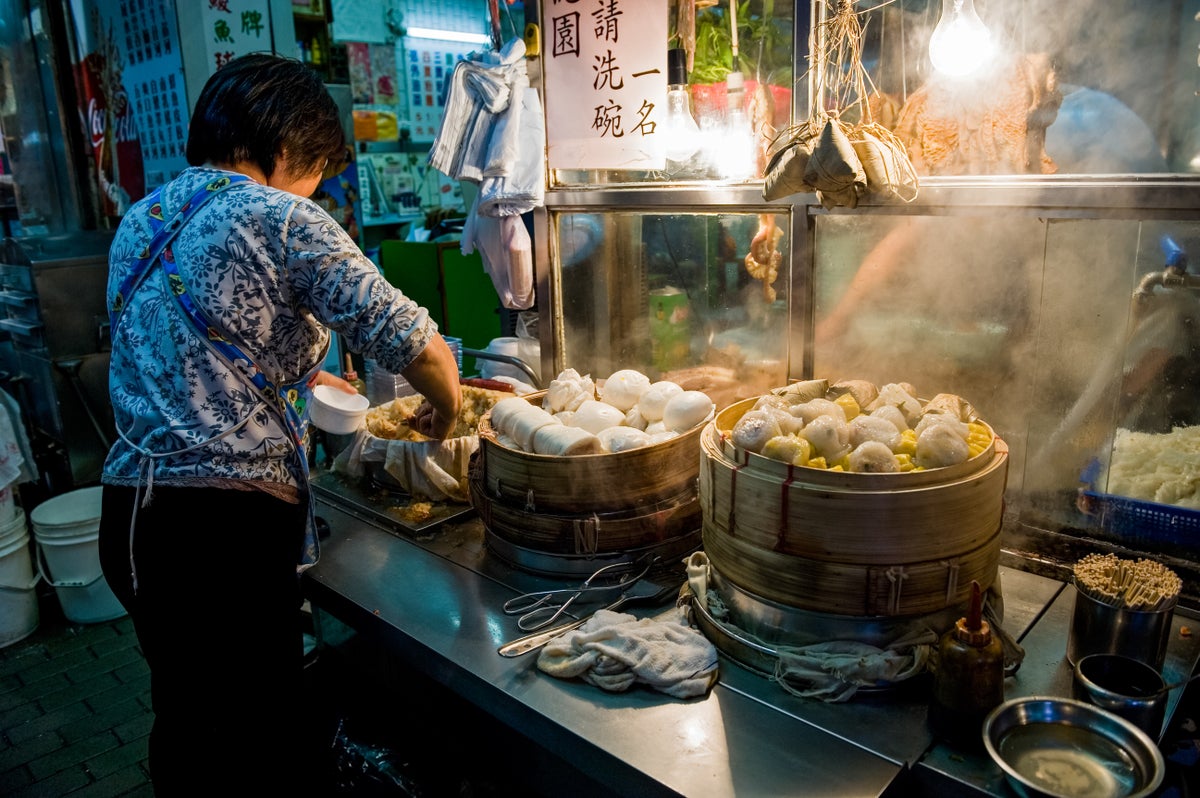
(968, 681)
(351, 376)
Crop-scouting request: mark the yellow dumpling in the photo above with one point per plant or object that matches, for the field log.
(788, 449)
(849, 406)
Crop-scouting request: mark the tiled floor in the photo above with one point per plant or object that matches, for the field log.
(75, 718)
(74, 710)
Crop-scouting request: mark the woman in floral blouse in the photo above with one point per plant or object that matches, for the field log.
(224, 287)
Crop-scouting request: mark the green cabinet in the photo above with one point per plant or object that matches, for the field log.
(454, 287)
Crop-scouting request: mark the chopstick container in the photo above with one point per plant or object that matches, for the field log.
(1098, 627)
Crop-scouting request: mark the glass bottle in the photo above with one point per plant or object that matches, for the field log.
(968, 679)
(351, 376)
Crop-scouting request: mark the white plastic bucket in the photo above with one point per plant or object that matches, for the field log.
(8, 505)
(18, 598)
(12, 527)
(67, 529)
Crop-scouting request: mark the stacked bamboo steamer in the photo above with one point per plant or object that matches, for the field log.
(559, 515)
(860, 545)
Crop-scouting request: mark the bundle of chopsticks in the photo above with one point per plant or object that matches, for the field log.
(1142, 585)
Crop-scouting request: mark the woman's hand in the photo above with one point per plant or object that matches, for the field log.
(429, 422)
(333, 381)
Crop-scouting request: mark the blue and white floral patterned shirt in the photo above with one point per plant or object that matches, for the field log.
(277, 274)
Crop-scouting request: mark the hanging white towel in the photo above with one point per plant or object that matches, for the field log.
(16, 461)
(514, 182)
(479, 89)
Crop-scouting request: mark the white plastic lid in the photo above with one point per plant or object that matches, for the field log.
(69, 508)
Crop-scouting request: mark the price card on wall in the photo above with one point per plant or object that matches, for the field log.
(605, 66)
(430, 64)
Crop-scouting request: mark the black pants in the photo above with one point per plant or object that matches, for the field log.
(217, 615)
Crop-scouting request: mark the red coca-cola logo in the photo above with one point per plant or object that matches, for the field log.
(124, 124)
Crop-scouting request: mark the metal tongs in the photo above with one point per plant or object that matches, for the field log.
(543, 607)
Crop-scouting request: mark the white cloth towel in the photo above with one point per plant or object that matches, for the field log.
(515, 179)
(836, 670)
(830, 671)
(434, 470)
(16, 456)
(614, 651)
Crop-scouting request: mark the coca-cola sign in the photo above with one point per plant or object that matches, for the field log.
(110, 127)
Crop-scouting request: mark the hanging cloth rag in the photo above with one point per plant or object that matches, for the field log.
(22, 457)
(515, 177)
(289, 402)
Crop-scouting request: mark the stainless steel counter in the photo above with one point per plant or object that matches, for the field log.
(434, 599)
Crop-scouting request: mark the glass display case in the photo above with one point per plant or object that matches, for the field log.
(668, 291)
(1055, 296)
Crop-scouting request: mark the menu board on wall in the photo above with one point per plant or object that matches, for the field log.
(606, 84)
(154, 82)
(429, 65)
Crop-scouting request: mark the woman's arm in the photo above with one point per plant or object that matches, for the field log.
(434, 374)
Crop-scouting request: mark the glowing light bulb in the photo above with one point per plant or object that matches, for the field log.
(681, 134)
(960, 43)
(735, 153)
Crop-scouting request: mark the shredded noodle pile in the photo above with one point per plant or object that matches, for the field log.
(1158, 467)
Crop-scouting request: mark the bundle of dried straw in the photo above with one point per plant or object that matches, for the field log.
(1142, 585)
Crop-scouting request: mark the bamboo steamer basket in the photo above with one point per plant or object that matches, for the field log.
(855, 544)
(589, 505)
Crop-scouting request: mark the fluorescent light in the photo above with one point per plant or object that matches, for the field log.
(448, 35)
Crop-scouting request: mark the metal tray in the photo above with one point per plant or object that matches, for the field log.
(388, 507)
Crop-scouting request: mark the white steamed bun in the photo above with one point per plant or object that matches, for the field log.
(687, 409)
(594, 416)
(654, 399)
(829, 436)
(873, 457)
(754, 429)
(874, 428)
(622, 439)
(814, 408)
(568, 391)
(939, 445)
(623, 389)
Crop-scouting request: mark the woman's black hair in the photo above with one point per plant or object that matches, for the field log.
(259, 106)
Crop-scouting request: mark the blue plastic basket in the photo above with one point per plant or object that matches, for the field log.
(1134, 519)
(1142, 521)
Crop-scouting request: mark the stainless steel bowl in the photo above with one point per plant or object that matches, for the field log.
(1124, 686)
(1063, 748)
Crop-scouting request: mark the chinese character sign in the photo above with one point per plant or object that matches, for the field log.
(233, 28)
(605, 65)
